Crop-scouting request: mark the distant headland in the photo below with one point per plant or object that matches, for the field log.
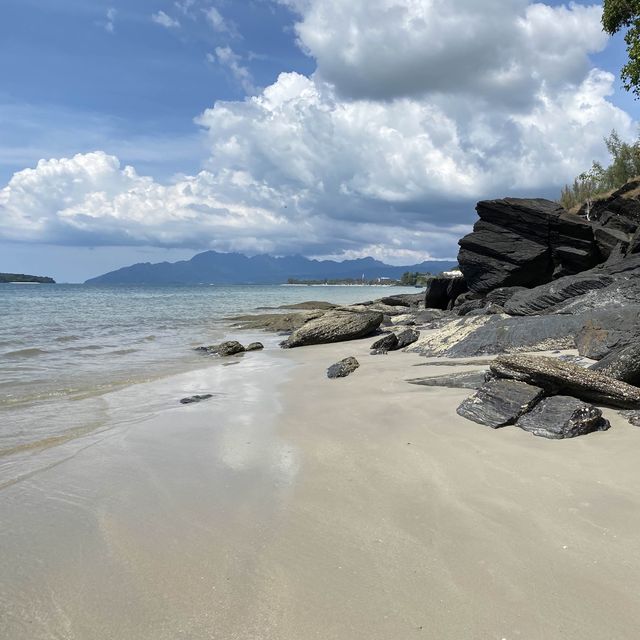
(212, 267)
(21, 278)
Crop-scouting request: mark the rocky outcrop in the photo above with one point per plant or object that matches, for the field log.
(495, 334)
(559, 377)
(499, 403)
(343, 368)
(562, 417)
(335, 326)
(229, 348)
(278, 322)
(622, 364)
(442, 291)
(520, 242)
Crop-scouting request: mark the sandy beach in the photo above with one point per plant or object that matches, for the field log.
(291, 506)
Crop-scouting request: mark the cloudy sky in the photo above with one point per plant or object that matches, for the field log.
(145, 130)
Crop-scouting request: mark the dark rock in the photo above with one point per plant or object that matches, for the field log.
(520, 242)
(609, 239)
(335, 326)
(499, 403)
(229, 348)
(407, 337)
(622, 364)
(384, 344)
(562, 417)
(442, 291)
(193, 399)
(555, 377)
(606, 330)
(254, 346)
(469, 307)
(467, 380)
(548, 297)
(343, 368)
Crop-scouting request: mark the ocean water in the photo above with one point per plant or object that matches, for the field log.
(65, 350)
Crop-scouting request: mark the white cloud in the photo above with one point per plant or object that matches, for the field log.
(110, 23)
(226, 57)
(215, 19)
(418, 108)
(165, 20)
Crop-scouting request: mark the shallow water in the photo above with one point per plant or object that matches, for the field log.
(65, 348)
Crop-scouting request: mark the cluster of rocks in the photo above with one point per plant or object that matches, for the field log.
(230, 348)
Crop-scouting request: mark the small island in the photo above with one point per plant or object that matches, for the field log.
(21, 278)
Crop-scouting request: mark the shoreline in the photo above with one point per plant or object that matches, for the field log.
(294, 506)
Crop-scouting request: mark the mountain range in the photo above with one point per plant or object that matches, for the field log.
(212, 267)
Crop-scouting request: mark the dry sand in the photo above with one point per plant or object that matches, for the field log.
(295, 507)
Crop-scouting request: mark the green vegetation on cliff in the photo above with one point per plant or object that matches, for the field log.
(599, 180)
(21, 277)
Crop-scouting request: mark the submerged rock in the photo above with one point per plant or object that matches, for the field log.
(562, 417)
(335, 326)
(229, 348)
(343, 368)
(254, 346)
(499, 403)
(193, 399)
(556, 376)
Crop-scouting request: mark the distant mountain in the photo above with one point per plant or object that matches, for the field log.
(21, 277)
(212, 267)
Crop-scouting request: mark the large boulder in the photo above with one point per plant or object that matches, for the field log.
(524, 242)
(622, 364)
(560, 377)
(562, 417)
(335, 326)
(499, 403)
(607, 330)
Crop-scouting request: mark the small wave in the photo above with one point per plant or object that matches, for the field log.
(26, 353)
(123, 352)
(67, 338)
(87, 347)
(147, 339)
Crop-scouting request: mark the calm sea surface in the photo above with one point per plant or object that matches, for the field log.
(64, 348)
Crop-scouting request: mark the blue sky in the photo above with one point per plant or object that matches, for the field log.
(146, 82)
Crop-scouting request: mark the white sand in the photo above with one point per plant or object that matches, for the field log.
(361, 508)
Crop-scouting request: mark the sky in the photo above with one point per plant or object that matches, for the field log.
(150, 130)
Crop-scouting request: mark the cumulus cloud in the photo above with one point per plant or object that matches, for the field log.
(165, 20)
(417, 109)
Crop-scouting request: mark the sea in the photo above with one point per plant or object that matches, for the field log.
(77, 361)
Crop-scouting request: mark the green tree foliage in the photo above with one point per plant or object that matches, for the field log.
(625, 164)
(625, 14)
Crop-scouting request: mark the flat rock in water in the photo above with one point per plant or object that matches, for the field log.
(343, 368)
(229, 348)
(278, 322)
(254, 346)
(193, 399)
(467, 380)
(562, 417)
(499, 403)
(335, 326)
(556, 376)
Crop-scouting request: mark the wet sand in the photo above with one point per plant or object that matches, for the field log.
(294, 507)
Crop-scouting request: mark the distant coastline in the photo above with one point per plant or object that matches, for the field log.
(21, 278)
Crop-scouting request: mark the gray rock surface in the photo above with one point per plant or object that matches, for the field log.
(407, 337)
(254, 346)
(622, 364)
(343, 368)
(335, 326)
(562, 417)
(558, 377)
(467, 380)
(499, 403)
